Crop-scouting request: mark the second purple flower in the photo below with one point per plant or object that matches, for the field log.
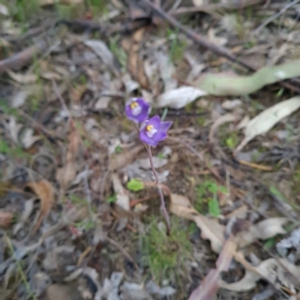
(154, 130)
(137, 109)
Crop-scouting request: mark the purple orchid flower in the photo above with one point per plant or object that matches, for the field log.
(137, 109)
(154, 130)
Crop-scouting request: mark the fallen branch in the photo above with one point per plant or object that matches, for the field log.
(21, 59)
(231, 5)
(219, 50)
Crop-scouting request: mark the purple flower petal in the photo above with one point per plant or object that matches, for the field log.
(155, 122)
(159, 136)
(145, 139)
(165, 126)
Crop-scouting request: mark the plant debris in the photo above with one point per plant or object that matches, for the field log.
(101, 198)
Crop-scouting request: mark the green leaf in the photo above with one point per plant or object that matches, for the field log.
(118, 149)
(111, 199)
(276, 193)
(213, 208)
(4, 148)
(270, 243)
(135, 185)
(161, 155)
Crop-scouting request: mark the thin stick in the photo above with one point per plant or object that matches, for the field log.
(272, 18)
(162, 200)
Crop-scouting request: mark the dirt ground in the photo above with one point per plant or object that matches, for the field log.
(81, 198)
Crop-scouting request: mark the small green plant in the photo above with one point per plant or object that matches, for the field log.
(177, 46)
(112, 199)
(86, 225)
(15, 152)
(232, 140)
(118, 51)
(207, 195)
(22, 10)
(135, 185)
(161, 155)
(166, 255)
(118, 149)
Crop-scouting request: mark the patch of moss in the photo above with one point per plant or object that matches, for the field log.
(164, 255)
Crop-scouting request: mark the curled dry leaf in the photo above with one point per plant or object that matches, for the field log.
(135, 63)
(125, 158)
(262, 230)
(220, 121)
(180, 97)
(210, 284)
(22, 78)
(4, 10)
(67, 174)
(123, 200)
(213, 231)
(210, 228)
(122, 197)
(44, 190)
(286, 274)
(102, 51)
(5, 218)
(267, 119)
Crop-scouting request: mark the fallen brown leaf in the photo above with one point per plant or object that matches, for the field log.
(210, 228)
(62, 292)
(209, 286)
(67, 174)
(213, 231)
(5, 218)
(44, 190)
(279, 272)
(23, 78)
(262, 230)
(135, 63)
(125, 158)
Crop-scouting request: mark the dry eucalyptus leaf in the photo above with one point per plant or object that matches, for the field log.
(199, 2)
(210, 284)
(63, 292)
(231, 84)
(279, 272)
(19, 99)
(262, 230)
(28, 139)
(122, 197)
(123, 159)
(5, 218)
(101, 50)
(220, 121)
(4, 10)
(13, 127)
(180, 97)
(210, 228)
(45, 191)
(22, 78)
(67, 174)
(135, 62)
(267, 119)
(28, 207)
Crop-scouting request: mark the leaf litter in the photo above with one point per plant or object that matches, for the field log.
(90, 238)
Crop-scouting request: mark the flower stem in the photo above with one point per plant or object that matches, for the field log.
(162, 200)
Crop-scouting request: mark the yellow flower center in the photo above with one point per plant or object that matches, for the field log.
(134, 105)
(149, 128)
